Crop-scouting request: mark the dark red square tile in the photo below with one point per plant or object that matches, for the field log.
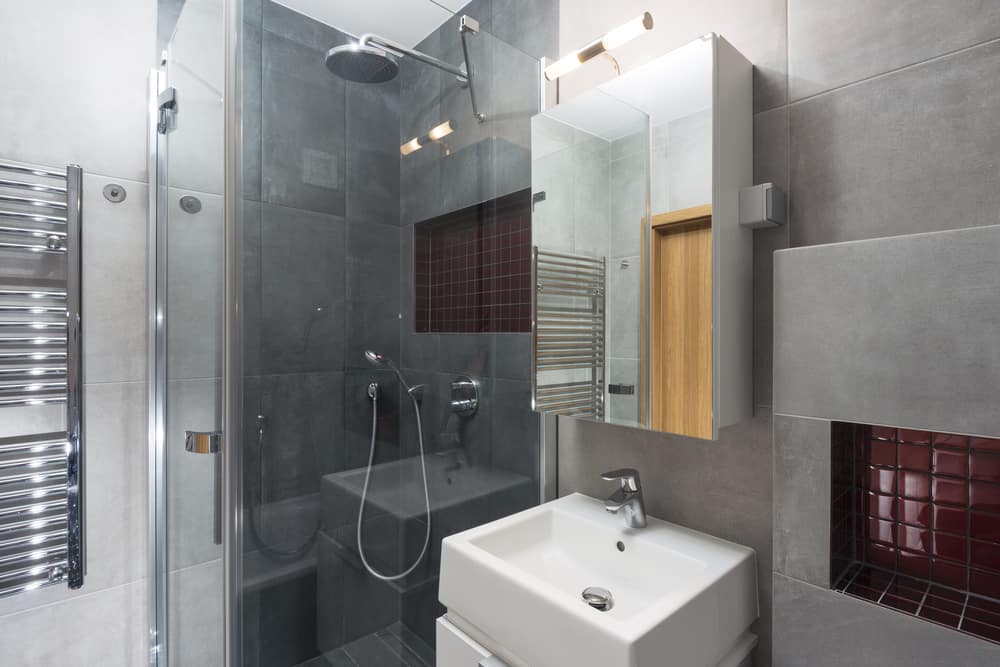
(951, 440)
(914, 485)
(880, 555)
(882, 452)
(984, 582)
(882, 480)
(884, 432)
(986, 466)
(881, 506)
(950, 519)
(918, 437)
(882, 531)
(984, 610)
(902, 604)
(951, 491)
(985, 444)
(915, 457)
(985, 496)
(951, 462)
(949, 574)
(915, 539)
(952, 547)
(914, 565)
(915, 512)
(938, 616)
(980, 629)
(985, 555)
(985, 526)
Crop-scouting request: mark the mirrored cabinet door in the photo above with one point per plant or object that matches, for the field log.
(642, 273)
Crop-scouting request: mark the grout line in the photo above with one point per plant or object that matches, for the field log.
(886, 589)
(961, 618)
(895, 70)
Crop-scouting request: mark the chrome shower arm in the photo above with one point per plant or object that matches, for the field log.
(371, 39)
(468, 25)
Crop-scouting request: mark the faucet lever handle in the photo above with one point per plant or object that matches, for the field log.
(627, 477)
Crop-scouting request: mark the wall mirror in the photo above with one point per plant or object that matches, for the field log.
(642, 305)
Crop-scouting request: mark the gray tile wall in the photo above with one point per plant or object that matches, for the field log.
(92, 114)
(874, 120)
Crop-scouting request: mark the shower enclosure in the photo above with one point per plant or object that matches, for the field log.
(340, 316)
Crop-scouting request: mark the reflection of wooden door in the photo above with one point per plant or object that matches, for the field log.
(681, 318)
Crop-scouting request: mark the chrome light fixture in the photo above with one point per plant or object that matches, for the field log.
(436, 133)
(611, 40)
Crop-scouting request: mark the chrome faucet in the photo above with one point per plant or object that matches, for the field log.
(627, 497)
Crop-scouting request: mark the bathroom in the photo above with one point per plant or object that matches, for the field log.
(351, 339)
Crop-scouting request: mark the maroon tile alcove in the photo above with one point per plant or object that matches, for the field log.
(915, 523)
(472, 269)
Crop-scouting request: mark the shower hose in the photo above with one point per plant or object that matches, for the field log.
(368, 473)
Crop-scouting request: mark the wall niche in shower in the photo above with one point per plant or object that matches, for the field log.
(472, 268)
(915, 523)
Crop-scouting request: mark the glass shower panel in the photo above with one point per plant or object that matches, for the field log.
(334, 218)
(192, 301)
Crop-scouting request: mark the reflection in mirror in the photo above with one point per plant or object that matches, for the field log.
(636, 240)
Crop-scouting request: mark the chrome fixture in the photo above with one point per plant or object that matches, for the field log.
(375, 59)
(613, 39)
(190, 204)
(627, 497)
(203, 442)
(436, 133)
(598, 598)
(41, 474)
(114, 193)
(464, 396)
(380, 360)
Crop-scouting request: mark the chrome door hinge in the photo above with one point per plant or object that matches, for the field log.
(167, 110)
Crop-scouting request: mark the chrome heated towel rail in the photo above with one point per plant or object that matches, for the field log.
(41, 474)
(568, 348)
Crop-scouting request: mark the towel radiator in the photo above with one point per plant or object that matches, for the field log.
(41, 474)
(568, 347)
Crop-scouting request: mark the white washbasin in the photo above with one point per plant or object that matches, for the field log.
(681, 598)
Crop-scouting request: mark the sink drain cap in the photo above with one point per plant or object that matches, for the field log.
(598, 598)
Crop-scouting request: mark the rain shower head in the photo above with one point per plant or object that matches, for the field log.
(362, 63)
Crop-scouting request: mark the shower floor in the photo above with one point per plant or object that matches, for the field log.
(394, 646)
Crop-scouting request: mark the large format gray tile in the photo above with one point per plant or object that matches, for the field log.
(195, 616)
(802, 498)
(303, 141)
(106, 628)
(373, 153)
(115, 521)
(898, 331)
(689, 161)
(814, 627)
(92, 113)
(195, 284)
(832, 44)
(722, 488)
(114, 282)
(770, 166)
(624, 288)
(535, 32)
(630, 186)
(302, 291)
(291, 25)
(373, 292)
(913, 151)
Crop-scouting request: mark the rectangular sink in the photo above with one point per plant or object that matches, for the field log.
(679, 597)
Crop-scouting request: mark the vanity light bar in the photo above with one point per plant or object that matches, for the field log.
(436, 133)
(611, 40)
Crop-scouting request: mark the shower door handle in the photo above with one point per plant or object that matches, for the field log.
(210, 442)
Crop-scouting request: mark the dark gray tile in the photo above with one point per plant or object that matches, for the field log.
(894, 331)
(469, 354)
(511, 93)
(534, 30)
(816, 627)
(373, 167)
(515, 429)
(249, 238)
(358, 417)
(373, 301)
(421, 609)
(834, 44)
(802, 479)
(414, 642)
(302, 291)
(371, 651)
(302, 129)
(291, 25)
(251, 110)
(913, 151)
(512, 356)
(400, 648)
(304, 424)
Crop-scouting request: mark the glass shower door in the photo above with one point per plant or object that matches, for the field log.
(187, 607)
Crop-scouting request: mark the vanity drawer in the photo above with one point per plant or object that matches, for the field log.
(457, 649)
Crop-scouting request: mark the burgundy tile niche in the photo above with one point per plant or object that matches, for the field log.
(915, 523)
(472, 269)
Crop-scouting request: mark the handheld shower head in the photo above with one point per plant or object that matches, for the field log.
(376, 359)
